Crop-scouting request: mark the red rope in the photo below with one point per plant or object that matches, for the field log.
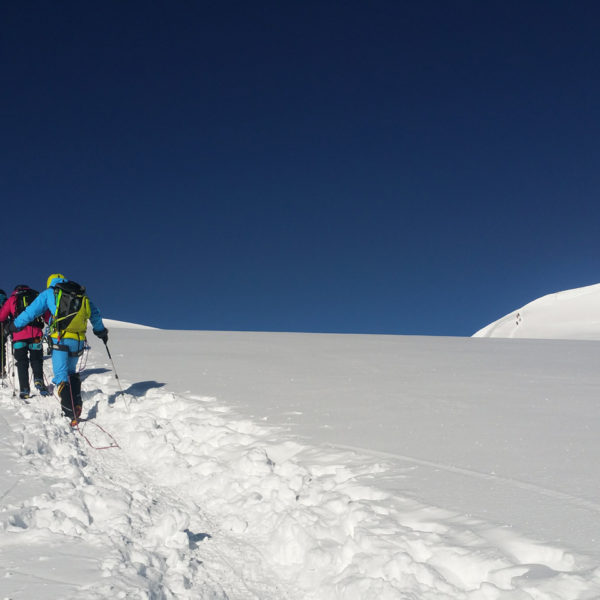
(114, 443)
(80, 430)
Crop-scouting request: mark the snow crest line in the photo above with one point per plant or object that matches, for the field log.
(580, 502)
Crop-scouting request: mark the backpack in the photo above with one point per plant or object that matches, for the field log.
(72, 309)
(24, 296)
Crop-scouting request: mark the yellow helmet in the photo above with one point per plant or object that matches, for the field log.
(54, 276)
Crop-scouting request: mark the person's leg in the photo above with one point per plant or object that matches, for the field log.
(75, 347)
(67, 400)
(60, 362)
(22, 362)
(64, 363)
(36, 358)
(75, 382)
(2, 353)
(60, 367)
(74, 378)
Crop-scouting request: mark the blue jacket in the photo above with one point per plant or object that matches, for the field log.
(47, 302)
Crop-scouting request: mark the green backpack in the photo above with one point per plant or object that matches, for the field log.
(72, 310)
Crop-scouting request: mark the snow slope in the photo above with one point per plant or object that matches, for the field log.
(297, 466)
(571, 314)
(110, 323)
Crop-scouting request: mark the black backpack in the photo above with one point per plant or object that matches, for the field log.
(72, 308)
(24, 296)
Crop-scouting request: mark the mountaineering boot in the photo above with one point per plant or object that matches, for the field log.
(24, 394)
(75, 419)
(40, 386)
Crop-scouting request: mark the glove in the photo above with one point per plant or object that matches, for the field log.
(102, 334)
(10, 328)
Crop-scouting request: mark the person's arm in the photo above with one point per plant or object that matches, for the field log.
(5, 311)
(97, 324)
(96, 318)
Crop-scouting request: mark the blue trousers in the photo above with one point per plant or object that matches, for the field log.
(64, 363)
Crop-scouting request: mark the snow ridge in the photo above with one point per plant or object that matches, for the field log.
(113, 323)
(570, 314)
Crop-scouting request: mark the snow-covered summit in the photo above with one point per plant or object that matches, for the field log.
(124, 325)
(570, 315)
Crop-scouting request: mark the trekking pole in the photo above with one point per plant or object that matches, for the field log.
(2, 354)
(12, 367)
(115, 371)
(112, 362)
(13, 362)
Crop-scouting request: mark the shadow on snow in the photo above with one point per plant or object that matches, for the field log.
(135, 389)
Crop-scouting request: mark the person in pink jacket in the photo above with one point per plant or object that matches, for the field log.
(27, 343)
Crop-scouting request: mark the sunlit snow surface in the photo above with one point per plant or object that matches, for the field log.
(297, 466)
(571, 314)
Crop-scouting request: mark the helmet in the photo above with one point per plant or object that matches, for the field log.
(54, 276)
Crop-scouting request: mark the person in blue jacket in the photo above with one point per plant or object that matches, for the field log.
(67, 342)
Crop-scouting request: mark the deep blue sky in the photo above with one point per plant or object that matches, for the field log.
(372, 167)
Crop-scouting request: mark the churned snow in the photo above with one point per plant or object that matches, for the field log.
(302, 466)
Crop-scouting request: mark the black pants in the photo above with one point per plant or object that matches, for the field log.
(70, 396)
(29, 353)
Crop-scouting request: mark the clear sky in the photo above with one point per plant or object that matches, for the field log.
(394, 167)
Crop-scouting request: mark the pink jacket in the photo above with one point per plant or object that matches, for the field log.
(8, 310)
